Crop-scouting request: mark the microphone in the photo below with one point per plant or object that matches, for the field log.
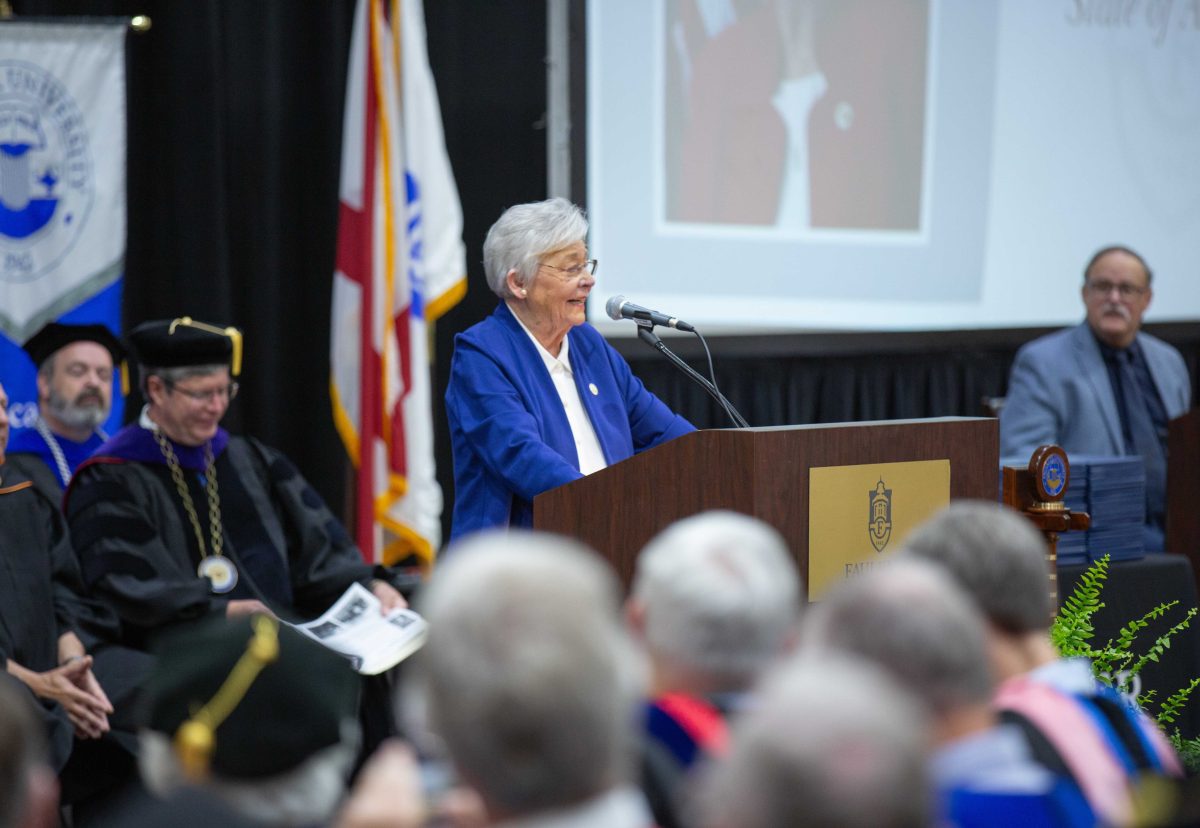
(619, 307)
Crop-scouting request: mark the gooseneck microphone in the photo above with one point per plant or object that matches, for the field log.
(619, 307)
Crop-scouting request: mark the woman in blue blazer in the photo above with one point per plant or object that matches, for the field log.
(536, 397)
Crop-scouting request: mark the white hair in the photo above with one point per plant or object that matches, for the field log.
(176, 375)
(910, 618)
(720, 595)
(832, 743)
(307, 794)
(996, 555)
(525, 233)
(527, 676)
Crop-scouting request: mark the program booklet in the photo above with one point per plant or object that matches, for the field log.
(356, 627)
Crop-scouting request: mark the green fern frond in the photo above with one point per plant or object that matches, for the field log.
(1117, 661)
(1072, 630)
(1168, 711)
(1188, 750)
(1163, 642)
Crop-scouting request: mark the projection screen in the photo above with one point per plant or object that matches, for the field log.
(784, 165)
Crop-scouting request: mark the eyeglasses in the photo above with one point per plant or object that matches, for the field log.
(228, 392)
(1104, 287)
(577, 272)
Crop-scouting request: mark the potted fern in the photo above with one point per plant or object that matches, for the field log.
(1117, 662)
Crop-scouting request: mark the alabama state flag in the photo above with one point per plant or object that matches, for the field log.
(400, 265)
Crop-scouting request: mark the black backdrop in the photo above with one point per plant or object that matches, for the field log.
(234, 135)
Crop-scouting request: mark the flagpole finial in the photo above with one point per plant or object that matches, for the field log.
(140, 23)
(6, 11)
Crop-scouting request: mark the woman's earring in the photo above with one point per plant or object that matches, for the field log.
(524, 292)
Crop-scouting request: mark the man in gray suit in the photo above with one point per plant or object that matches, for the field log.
(1102, 387)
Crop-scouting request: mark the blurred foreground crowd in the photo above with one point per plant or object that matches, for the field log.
(924, 693)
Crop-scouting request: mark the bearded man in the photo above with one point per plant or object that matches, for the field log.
(75, 366)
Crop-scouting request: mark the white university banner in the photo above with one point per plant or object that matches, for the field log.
(62, 168)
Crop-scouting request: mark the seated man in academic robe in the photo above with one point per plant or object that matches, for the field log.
(174, 519)
(53, 640)
(75, 365)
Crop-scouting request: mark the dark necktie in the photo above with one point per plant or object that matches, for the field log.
(1146, 440)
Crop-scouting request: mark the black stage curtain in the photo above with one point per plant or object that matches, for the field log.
(829, 378)
(235, 111)
(235, 120)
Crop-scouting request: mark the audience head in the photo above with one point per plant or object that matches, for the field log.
(28, 787)
(255, 713)
(75, 373)
(911, 619)
(832, 743)
(186, 369)
(527, 677)
(716, 598)
(998, 558)
(523, 235)
(1116, 293)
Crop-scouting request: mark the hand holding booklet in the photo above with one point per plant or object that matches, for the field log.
(356, 627)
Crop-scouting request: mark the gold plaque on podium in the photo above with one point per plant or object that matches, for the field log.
(858, 515)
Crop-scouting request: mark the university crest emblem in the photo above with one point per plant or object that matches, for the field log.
(879, 523)
(1054, 476)
(46, 182)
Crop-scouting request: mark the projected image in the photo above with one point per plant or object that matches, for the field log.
(920, 164)
(795, 114)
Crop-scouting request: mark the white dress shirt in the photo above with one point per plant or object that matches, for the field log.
(587, 445)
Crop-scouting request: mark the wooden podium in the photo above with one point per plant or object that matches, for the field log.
(1183, 488)
(763, 472)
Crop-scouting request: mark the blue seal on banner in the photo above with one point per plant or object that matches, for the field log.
(46, 177)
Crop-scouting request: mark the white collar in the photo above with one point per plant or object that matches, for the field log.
(144, 419)
(563, 360)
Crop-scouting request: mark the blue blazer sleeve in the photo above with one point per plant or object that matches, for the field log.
(499, 425)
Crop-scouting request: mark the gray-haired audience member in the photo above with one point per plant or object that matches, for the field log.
(999, 558)
(28, 788)
(715, 600)
(911, 619)
(832, 743)
(530, 682)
